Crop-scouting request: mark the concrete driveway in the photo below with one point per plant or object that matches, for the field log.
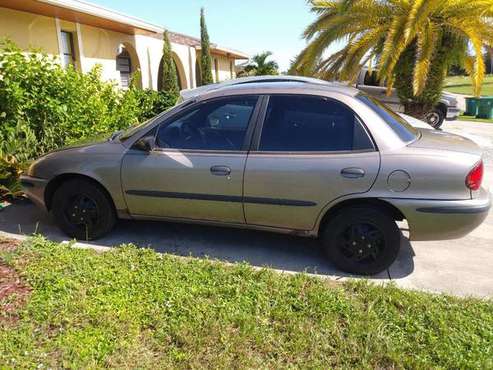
(460, 267)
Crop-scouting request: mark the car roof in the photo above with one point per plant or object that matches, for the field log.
(269, 84)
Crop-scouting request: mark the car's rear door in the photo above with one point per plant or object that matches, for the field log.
(308, 152)
(196, 169)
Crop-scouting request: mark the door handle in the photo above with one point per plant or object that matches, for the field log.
(221, 170)
(352, 172)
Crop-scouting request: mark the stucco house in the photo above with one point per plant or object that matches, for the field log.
(84, 34)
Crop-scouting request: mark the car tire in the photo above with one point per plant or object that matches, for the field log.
(361, 240)
(83, 210)
(435, 118)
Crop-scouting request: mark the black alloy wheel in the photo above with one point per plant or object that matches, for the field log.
(83, 210)
(363, 240)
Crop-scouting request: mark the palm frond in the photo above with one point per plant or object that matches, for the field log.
(426, 42)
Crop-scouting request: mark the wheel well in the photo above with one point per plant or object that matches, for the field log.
(388, 208)
(55, 183)
(442, 107)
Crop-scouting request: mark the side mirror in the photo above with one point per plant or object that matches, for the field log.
(146, 144)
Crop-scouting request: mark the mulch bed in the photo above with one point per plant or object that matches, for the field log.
(13, 291)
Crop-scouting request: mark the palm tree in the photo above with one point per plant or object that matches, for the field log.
(259, 66)
(412, 41)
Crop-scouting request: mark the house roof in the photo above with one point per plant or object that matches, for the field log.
(98, 16)
(180, 38)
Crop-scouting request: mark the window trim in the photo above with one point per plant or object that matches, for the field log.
(254, 148)
(252, 123)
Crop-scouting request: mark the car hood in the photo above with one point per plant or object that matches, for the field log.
(104, 147)
(73, 159)
(435, 139)
(449, 99)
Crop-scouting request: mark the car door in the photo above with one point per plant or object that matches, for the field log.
(195, 170)
(308, 152)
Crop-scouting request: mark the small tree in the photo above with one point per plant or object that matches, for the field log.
(169, 77)
(205, 53)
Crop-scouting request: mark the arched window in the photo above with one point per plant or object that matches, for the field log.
(124, 66)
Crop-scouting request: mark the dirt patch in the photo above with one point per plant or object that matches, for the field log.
(8, 245)
(13, 291)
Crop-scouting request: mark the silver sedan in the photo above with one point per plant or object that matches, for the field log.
(286, 155)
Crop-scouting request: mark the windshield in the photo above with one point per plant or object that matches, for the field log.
(399, 125)
(134, 129)
(141, 126)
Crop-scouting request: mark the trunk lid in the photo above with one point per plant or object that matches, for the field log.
(435, 139)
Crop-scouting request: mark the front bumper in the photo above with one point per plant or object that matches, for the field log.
(452, 113)
(443, 219)
(34, 188)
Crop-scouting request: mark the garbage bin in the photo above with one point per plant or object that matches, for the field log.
(485, 108)
(471, 106)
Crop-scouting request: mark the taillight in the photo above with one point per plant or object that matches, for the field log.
(475, 177)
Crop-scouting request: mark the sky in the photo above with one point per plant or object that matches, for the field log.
(251, 26)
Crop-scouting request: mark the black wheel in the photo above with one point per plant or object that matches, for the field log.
(435, 118)
(82, 210)
(361, 240)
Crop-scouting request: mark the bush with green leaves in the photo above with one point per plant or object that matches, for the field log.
(44, 106)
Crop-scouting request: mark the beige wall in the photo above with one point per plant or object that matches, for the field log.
(101, 47)
(97, 46)
(29, 30)
(224, 72)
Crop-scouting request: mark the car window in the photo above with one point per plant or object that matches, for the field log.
(311, 124)
(399, 125)
(216, 125)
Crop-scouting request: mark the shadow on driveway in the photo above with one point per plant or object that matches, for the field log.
(261, 249)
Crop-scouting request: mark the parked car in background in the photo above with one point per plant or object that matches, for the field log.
(447, 107)
(301, 157)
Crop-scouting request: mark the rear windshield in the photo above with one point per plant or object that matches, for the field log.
(399, 125)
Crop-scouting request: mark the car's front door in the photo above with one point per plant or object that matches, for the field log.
(308, 152)
(195, 170)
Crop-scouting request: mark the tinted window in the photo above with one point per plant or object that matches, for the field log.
(399, 125)
(216, 125)
(311, 124)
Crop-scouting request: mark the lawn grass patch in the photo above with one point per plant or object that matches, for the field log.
(133, 307)
(473, 119)
(463, 85)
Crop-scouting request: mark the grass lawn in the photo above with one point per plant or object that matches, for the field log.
(473, 119)
(135, 308)
(462, 85)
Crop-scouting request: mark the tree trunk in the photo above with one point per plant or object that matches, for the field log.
(418, 106)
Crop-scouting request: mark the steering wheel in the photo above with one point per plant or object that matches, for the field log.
(192, 134)
(223, 138)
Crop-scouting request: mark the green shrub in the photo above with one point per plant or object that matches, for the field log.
(44, 107)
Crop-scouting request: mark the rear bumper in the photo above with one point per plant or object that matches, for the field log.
(452, 113)
(442, 219)
(34, 188)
